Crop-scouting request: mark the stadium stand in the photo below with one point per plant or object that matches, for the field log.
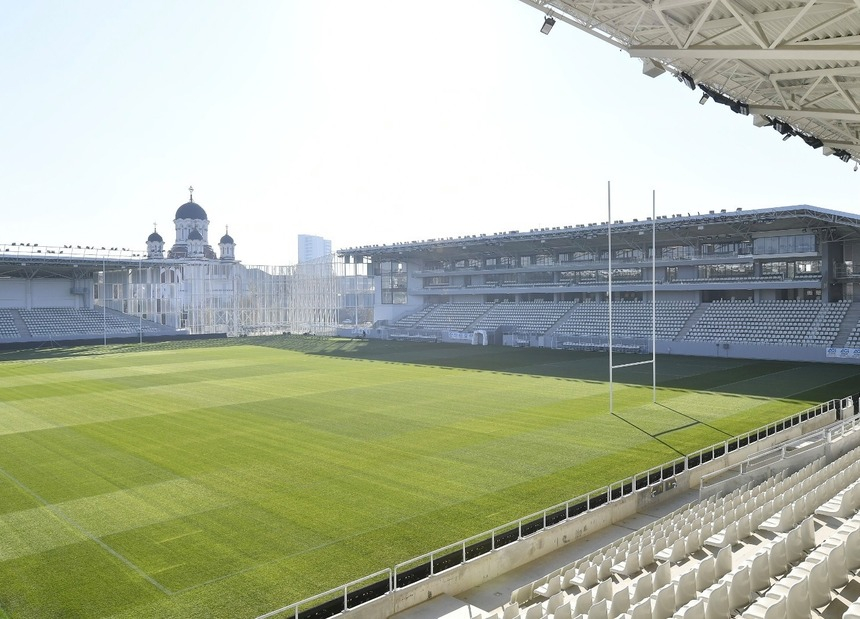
(8, 328)
(776, 283)
(535, 318)
(784, 322)
(854, 337)
(630, 319)
(792, 322)
(410, 320)
(454, 316)
(63, 323)
(791, 542)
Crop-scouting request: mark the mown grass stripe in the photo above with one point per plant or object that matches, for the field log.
(323, 460)
(70, 522)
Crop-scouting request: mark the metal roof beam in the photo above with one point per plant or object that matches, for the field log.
(774, 16)
(828, 22)
(814, 53)
(697, 26)
(799, 75)
(772, 110)
(848, 98)
(782, 35)
(745, 19)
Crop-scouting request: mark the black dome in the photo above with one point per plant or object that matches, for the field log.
(195, 235)
(227, 239)
(155, 237)
(190, 210)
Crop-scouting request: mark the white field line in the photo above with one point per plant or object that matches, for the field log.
(71, 522)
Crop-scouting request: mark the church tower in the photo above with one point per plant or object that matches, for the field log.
(191, 221)
(227, 246)
(155, 245)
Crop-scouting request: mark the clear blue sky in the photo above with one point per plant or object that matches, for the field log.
(364, 122)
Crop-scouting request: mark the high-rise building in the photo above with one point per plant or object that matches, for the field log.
(312, 247)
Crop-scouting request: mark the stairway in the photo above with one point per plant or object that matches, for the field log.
(23, 331)
(692, 321)
(852, 316)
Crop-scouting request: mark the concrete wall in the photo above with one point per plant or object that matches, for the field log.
(729, 350)
(675, 295)
(734, 350)
(47, 292)
(14, 293)
(52, 293)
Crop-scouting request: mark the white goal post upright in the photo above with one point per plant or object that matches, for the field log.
(653, 296)
(653, 359)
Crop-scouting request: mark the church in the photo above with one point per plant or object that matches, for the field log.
(192, 237)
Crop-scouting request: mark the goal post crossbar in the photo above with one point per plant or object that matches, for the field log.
(630, 365)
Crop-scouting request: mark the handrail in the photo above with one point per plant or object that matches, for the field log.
(343, 589)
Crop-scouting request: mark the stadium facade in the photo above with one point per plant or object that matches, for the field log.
(767, 283)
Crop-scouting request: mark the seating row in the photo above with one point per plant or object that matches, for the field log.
(791, 322)
(734, 548)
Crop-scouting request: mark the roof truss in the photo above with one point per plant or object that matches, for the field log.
(793, 61)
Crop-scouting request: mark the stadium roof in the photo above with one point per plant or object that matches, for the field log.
(33, 261)
(793, 64)
(828, 224)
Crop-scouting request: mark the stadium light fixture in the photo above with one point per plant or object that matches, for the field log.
(786, 136)
(704, 99)
(548, 23)
(687, 80)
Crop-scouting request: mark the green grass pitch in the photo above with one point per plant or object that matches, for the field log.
(229, 478)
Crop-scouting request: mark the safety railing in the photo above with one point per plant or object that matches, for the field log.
(339, 599)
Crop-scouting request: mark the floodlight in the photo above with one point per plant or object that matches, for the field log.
(782, 127)
(813, 141)
(688, 81)
(786, 136)
(704, 99)
(548, 23)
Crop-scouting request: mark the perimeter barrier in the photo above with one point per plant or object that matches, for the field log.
(358, 592)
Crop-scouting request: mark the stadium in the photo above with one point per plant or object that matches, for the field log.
(646, 418)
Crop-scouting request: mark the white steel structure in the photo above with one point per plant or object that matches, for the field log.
(190, 296)
(794, 65)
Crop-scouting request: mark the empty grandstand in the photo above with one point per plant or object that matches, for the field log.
(780, 548)
(769, 283)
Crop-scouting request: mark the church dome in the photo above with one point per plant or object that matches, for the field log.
(190, 210)
(155, 237)
(227, 239)
(195, 235)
